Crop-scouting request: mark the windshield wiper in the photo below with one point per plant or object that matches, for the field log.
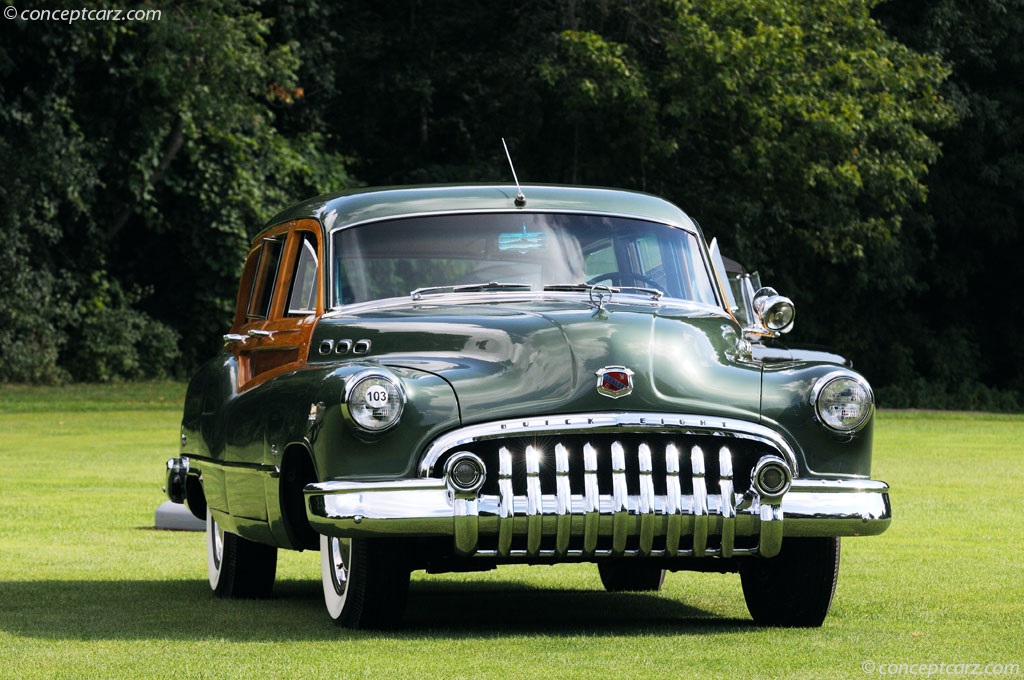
(469, 288)
(568, 287)
(654, 293)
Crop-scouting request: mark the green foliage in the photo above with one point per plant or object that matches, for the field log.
(142, 157)
(799, 133)
(768, 120)
(113, 340)
(595, 81)
(818, 122)
(970, 229)
(805, 136)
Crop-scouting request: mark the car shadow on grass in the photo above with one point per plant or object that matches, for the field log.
(188, 610)
(496, 608)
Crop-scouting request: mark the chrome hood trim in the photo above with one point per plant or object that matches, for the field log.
(605, 423)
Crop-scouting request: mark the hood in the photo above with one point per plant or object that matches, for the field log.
(542, 357)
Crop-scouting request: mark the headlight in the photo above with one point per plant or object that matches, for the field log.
(374, 400)
(843, 403)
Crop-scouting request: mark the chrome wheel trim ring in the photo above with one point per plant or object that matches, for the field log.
(218, 544)
(336, 566)
(214, 549)
(341, 557)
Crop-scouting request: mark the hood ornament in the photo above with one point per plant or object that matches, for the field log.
(600, 296)
(614, 381)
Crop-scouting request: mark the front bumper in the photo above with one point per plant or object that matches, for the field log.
(589, 525)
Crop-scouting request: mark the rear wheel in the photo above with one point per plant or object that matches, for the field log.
(365, 584)
(237, 567)
(630, 576)
(794, 588)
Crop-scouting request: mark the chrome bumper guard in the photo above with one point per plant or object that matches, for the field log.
(591, 524)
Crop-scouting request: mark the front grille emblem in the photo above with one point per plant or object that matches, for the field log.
(614, 381)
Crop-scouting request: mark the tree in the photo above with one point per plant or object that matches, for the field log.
(798, 133)
(964, 351)
(142, 156)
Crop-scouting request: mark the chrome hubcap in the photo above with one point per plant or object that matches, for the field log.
(217, 536)
(340, 555)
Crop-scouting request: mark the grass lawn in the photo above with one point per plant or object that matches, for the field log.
(88, 589)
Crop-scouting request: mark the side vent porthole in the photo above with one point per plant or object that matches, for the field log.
(341, 347)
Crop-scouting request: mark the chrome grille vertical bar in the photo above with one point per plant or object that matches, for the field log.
(534, 505)
(673, 501)
(770, 538)
(591, 500)
(700, 503)
(467, 524)
(506, 505)
(563, 500)
(646, 500)
(728, 502)
(620, 499)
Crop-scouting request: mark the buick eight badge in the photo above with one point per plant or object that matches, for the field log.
(408, 383)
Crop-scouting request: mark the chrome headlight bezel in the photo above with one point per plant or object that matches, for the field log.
(368, 409)
(826, 396)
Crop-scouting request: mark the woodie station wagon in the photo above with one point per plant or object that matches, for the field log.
(453, 378)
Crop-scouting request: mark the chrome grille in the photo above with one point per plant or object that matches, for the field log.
(634, 459)
(629, 493)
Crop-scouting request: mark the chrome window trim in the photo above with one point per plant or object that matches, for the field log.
(304, 247)
(281, 240)
(627, 299)
(691, 227)
(606, 423)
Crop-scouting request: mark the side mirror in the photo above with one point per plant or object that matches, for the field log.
(775, 312)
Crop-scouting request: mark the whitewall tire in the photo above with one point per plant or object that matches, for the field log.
(236, 567)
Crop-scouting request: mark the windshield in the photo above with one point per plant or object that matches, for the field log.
(516, 251)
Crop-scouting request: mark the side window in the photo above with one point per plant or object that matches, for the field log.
(302, 298)
(266, 277)
(601, 260)
(649, 250)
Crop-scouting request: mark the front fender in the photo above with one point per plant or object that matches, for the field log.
(786, 406)
(342, 450)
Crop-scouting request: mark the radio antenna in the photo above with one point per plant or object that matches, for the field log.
(520, 198)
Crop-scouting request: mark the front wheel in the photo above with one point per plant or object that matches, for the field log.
(365, 584)
(238, 568)
(794, 588)
(630, 576)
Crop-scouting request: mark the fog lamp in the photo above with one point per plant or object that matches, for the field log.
(465, 472)
(771, 477)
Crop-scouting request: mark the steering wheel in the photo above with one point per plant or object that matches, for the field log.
(617, 279)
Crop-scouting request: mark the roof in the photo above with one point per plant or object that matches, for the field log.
(365, 205)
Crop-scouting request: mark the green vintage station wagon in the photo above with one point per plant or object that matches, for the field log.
(453, 378)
